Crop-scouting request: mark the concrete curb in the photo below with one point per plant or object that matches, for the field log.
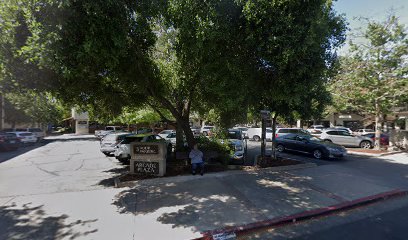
(373, 154)
(303, 215)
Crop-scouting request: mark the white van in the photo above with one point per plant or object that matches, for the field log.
(256, 133)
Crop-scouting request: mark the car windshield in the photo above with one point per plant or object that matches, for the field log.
(128, 140)
(234, 135)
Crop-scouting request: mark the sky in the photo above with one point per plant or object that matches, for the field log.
(373, 9)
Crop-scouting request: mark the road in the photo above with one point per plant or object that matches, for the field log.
(383, 220)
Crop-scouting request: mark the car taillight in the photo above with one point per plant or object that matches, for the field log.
(276, 135)
(1, 139)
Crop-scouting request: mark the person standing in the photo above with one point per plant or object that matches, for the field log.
(196, 157)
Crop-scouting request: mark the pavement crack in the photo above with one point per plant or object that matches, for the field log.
(82, 164)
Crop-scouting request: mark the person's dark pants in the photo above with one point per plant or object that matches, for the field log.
(200, 165)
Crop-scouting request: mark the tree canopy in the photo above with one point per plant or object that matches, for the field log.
(372, 78)
(174, 55)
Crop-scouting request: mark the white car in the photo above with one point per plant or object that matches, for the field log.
(122, 150)
(315, 128)
(236, 141)
(344, 138)
(165, 133)
(109, 142)
(364, 131)
(38, 133)
(256, 133)
(207, 130)
(25, 137)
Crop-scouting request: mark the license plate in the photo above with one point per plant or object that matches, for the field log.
(12, 141)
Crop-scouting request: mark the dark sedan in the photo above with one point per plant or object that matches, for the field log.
(384, 138)
(8, 142)
(310, 144)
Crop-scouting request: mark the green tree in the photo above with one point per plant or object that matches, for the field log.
(295, 52)
(32, 107)
(372, 79)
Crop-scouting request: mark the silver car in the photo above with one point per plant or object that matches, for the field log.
(344, 138)
(109, 142)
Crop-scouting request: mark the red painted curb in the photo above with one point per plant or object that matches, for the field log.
(304, 215)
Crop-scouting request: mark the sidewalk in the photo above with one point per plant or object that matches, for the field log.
(184, 207)
(199, 204)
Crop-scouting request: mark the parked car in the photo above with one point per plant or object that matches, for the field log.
(8, 142)
(284, 131)
(244, 130)
(363, 131)
(122, 149)
(344, 129)
(344, 138)
(108, 130)
(315, 127)
(25, 137)
(38, 132)
(109, 142)
(238, 145)
(196, 131)
(144, 130)
(172, 138)
(310, 144)
(256, 133)
(165, 133)
(316, 132)
(384, 138)
(207, 130)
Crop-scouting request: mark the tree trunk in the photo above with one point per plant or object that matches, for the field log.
(274, 137)
(263, 140)
(179, 136)
(377, 127)
(188, 133)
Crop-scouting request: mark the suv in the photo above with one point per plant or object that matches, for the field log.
(108, 130)
(122, 149)
(363, 131)
(344, 138)
(284, 131)
(109, 142)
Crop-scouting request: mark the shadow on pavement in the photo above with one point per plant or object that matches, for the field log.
(215, 202)
(31, 222)
(115, 172)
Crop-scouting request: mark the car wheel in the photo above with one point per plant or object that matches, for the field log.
(327, 140)
(365, 145)
(257, 138)
(280, 148)
(317, 153)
